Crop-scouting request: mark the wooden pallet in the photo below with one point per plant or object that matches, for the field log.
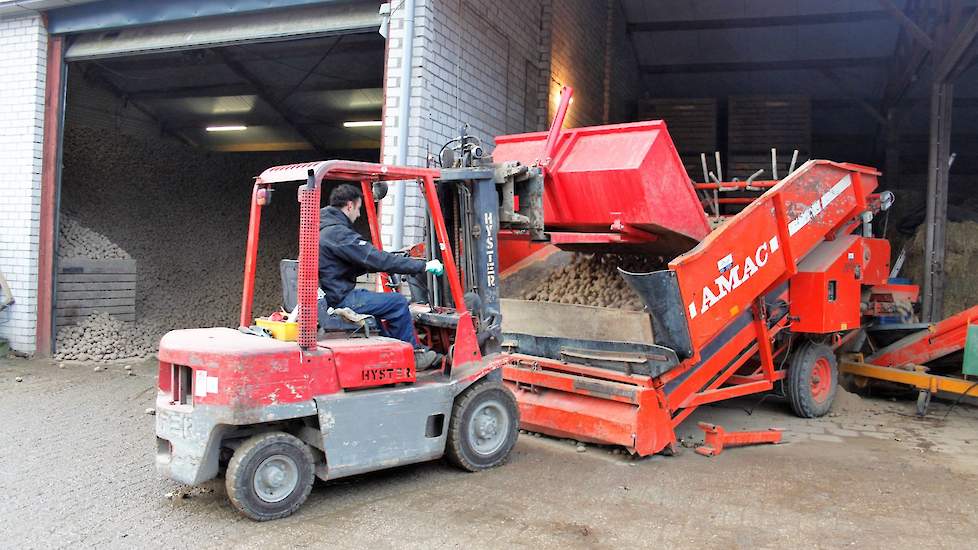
(755, 124)
(90, 286)
(692, 123)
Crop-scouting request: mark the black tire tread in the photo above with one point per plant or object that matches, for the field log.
(246, 452)
(453, 448)
(798, 380)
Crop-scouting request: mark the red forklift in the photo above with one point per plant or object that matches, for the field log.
(337, 400)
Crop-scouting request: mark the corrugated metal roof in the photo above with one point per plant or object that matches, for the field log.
(316, 83)
(720, 48)
(692, 47)
(13, 8)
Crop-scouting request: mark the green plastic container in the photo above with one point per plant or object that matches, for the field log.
(971, 352)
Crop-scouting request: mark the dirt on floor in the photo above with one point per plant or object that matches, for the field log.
(77, 470)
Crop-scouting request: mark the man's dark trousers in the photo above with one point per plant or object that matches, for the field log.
(389, 306)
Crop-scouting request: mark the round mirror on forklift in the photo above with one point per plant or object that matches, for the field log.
(380, 189)
(886, 200)
(447, 158)
(264, 196)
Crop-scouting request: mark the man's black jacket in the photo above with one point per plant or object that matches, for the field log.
(344, 255)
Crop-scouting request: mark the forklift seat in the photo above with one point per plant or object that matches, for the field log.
(289, 270)
(334, 323)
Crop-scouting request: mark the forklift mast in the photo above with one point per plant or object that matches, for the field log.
(485, 198)
(483, 250)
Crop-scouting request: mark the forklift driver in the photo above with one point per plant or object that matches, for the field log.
(344, 255)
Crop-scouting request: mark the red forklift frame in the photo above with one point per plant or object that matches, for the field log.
(314, 173)
(341, 404)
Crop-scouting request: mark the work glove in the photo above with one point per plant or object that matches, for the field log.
(435, 267)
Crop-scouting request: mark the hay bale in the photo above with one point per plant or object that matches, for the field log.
(960, 264)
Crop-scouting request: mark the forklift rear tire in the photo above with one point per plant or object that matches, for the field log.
(484, 426)
(270, 476)
(812, 380)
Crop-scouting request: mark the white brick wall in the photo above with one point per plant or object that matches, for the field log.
(474, 62)
(578, 58)
(23, 51)
(498, 65)
(581, 32)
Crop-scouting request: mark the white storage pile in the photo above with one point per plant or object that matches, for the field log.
(78, 241)
(102, 337)
(182, 214)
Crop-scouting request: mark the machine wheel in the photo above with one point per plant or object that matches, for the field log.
(813, 375)
(484, 426)
(923, 402)
(270, 476)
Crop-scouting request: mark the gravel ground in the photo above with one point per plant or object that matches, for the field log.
(77, 471)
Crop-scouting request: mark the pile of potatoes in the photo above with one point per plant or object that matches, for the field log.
(77, 241)
(185, 222)
(594, 280)
(102, 337)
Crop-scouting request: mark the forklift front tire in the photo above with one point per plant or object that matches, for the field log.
(270, 475)
(484, 426)
(812, 380)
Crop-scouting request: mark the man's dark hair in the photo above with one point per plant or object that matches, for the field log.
(344, 194)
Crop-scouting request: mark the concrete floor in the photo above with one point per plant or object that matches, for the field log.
(76, 469)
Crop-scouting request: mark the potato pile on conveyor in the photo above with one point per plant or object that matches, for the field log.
(594, 280)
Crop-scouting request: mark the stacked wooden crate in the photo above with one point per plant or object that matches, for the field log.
(692, 123)
(88, 286)
(756, 124)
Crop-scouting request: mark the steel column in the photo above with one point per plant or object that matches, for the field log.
(892, 148)
(54, 94)
(936, 219)
(954, 60)
(403, 118)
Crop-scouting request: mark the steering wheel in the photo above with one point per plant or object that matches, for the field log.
(414, 251)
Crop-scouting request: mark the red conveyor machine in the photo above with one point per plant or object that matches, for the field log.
(773, 286)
